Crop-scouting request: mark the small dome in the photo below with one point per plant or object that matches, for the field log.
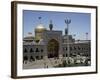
(40, 28)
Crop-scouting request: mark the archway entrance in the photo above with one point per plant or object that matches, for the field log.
(53, 48)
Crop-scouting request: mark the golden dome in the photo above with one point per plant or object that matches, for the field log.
(40, 28)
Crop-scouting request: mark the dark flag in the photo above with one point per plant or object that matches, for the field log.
(39, 17)
(86, 33)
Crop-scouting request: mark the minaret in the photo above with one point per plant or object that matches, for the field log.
(66, 31)
(67, 22)
(86, 35)
(51, 25)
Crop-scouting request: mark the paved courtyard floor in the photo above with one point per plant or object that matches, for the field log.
(52, 62)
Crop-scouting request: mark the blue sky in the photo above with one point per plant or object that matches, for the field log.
(80, 22)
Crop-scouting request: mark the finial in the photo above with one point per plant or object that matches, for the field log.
(50, 25)
(39, 19)
(67, 21)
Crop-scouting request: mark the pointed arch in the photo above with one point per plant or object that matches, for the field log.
(25, 50)
(53, 48)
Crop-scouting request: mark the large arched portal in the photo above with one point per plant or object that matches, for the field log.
(53, 48)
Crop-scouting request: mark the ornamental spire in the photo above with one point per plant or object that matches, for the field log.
(67, 21)
(51, 25)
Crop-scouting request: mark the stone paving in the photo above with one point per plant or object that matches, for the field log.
(51, 62)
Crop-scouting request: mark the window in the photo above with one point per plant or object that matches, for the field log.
(37, 50)
(41, 50)
(25, 58)
(37, 57)
(74, 48)
(66, 54)
(63, 55)
(41, 57)
(31, 50)
(70, 48)
(25, 50)
(71, 54)
(66, 48)
(79, 48)
(78, 53)
(31, 58)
